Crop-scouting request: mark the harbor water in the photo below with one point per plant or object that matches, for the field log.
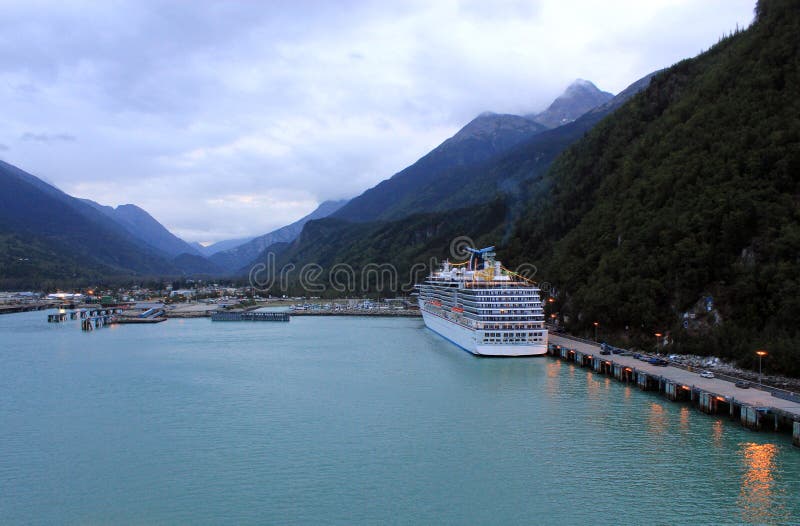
(339, 420)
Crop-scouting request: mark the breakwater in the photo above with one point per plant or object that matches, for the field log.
(397, 313)
(250, 316)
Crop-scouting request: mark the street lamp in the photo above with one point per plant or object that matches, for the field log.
(596, 324)
(760, 354)
(658, 335)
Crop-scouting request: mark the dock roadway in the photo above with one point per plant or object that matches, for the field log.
(753, 405)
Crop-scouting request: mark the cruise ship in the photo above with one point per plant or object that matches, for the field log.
(484, 308)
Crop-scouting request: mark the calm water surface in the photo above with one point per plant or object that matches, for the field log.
(353, 421)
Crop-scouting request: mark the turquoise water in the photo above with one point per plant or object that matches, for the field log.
(353, 421)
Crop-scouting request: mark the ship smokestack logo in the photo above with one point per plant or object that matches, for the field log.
(459, 248)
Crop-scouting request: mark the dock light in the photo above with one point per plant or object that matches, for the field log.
(721, 398)
(628, 369)
(685, 387)
(760, 354)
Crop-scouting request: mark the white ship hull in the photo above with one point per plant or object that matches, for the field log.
(466, 339)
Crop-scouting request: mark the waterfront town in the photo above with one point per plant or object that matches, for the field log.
(196, 299)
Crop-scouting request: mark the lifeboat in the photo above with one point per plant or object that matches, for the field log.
(457, 309)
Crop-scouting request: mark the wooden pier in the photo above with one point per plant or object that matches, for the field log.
(755, 408)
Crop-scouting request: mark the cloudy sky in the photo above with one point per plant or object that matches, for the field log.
(231, 118)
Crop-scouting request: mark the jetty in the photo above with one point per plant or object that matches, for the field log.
(757, 407)
(27, 307)
(250, 316)
(389, 313)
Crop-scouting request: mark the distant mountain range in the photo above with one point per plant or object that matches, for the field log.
(143, 226)
(219, 246)
(47, 236)
(239, 258)
(458, 173)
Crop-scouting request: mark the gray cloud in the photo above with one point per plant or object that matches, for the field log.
(47, 137)
(226, 119)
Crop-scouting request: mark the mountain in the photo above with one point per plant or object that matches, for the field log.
(394, 245)
(490, 194)
(498, 170)
(236, 259)
(219, 246)
(478, 141)
(196, 265)
(580, 97)
(679, 213)
(143, 226)
(47, 236)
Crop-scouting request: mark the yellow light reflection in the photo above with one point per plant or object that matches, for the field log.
(592, 386)
(716, 434)
(756, 496)
(657, 420)
(553, 369)
(684, 419)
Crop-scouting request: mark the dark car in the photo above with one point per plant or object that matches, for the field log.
(658, 362)
(742, 384)
(605, 352)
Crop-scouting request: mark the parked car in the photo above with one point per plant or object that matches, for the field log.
(659, 362)
(743, 384)
(706, 374)
(605, 352)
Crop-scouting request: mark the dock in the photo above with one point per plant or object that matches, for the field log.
(394, 313)
(756, 408)
(250, 316)
(138, 321)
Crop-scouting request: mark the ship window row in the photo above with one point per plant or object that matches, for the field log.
(513, 337)
(512, 325)
(510, 318)
(494, 292)
(506, 304)
(504, 292)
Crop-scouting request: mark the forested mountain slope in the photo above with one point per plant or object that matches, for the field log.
(688, 192)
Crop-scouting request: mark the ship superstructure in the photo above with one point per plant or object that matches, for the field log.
(484, 308)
